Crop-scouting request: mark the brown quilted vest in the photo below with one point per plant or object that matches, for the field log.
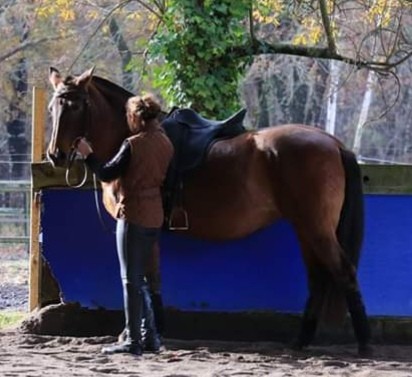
(136, 195)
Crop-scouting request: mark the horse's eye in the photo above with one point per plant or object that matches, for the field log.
(73, 105)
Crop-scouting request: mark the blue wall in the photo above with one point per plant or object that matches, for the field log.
(261, 272)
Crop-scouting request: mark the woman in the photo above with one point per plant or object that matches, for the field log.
(136, 174)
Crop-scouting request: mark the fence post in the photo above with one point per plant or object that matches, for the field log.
(38, 125)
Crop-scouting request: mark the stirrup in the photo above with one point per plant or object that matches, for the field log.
(185, 217)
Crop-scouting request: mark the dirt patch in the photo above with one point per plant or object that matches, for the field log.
(70, 319)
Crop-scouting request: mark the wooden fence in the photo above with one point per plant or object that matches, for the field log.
(14, 212)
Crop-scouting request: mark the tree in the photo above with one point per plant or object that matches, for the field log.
(204, 45)
(277, 56)
(197, 68)
(40, 33)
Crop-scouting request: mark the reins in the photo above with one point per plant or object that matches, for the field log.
(98, 209)
(71, 158)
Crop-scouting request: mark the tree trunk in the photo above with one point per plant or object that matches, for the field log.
(363, 116)
(16, 124)
(128, 78)
(334, 72)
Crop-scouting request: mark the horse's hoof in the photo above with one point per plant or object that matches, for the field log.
(365, 350)
(296, 346)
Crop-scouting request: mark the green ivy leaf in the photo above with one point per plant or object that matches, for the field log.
(193, 43)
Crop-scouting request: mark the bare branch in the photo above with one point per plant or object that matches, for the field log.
(101, 23)
(397, 36)
(146, 52)
(251, 30)
(327, 26)
(150, 9)
(390, 106)
(260, 47)
(24, 46)
(105, 18)
(399, 61)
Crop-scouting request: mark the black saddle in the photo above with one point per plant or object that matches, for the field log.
(192, 135)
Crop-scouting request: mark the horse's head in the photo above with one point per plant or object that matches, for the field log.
(69, 112)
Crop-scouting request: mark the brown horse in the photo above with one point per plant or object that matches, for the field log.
(295, 172)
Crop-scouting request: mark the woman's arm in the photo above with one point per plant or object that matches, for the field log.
(110, 170)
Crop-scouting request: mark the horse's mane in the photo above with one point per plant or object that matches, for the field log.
(106, 86)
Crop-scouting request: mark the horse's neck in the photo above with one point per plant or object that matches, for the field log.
(108, 130)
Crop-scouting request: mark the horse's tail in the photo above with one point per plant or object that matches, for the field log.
(351, 223)
(349, 233)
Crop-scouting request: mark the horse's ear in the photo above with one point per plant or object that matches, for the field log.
(55, 77)
(85, 78)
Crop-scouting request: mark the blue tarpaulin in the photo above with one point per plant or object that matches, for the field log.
(263, 271)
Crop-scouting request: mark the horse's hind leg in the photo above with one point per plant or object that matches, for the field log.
(332, 281)
(312, 312)
(344, 278)
(356, 309)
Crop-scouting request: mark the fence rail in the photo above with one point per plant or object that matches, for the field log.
(14, 212)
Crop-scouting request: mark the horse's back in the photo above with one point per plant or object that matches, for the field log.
(309, 173)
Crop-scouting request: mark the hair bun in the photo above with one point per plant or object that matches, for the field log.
(150, 107)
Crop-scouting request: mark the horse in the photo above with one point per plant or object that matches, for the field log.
(294, 172)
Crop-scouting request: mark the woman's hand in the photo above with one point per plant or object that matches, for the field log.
(84, 148)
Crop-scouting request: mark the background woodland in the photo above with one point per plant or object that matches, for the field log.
(343, 66)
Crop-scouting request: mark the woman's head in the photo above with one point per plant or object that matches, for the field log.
(141, 110)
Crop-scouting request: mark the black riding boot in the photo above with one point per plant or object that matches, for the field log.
(151, 339)
(133, 305)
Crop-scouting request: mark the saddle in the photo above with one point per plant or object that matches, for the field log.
(192, 137)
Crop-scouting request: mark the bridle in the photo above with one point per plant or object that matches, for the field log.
(64, 93)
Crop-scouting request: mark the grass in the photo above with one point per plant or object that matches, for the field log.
(10, 319)
(14, 272)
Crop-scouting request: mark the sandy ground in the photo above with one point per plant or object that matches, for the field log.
(31, 355)
(41, 356)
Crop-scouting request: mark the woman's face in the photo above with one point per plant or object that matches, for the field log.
(133, 121)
